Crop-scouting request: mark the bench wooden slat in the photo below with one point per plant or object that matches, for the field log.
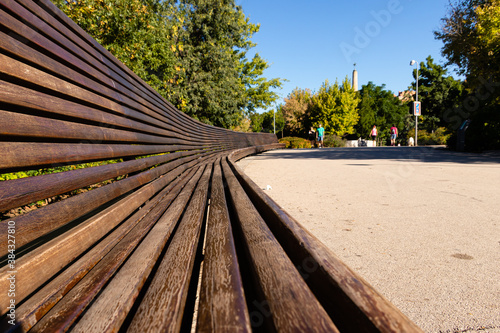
(46, 79)
(37, 155)
(140, 88)
(37, 306)
(71, 306)
(24, 72)
(61, 48)
(18, 192)
(117, 299)
(70, 41)
(40, 264)
(40, 222)
(27, 73)
(222, 306)
(37, 128)
(27, 98)
(172, 116)
(58, 107)
(349, 300)
(162, 307)
(292, 304)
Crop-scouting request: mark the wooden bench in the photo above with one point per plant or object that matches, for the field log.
(171, 236)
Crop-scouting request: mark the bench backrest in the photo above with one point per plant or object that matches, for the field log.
(68, 105)
(142, 201)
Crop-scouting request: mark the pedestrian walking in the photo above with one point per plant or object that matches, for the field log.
(312, 137)
(394, 135)
(373, 134)
(321, 133)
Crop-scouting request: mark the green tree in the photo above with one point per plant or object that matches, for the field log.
(438, 93)
(272, 119)
(381, 108)
(335, 107)
(256, 121)
(137, 32)
(367, 112)
(471, 35)
(268, 121)
(212, 35)
(216, 83)
(193, 52)
(258, 89)
(280, 120)
(296, 112)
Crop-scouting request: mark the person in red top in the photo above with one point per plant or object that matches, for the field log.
(373, 134)
(394, 135)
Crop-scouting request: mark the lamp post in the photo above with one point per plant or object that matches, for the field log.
(413, 62)
(274, 119)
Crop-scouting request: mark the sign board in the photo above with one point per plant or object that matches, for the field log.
(417, 108)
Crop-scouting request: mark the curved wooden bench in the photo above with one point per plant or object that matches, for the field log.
(165, 233)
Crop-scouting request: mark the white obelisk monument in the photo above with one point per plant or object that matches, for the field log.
(355, 79)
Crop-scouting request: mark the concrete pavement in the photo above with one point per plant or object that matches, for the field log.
(422, 225)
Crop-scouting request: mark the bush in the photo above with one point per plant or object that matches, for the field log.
(294, 142)
(332, 140)
(439, 137)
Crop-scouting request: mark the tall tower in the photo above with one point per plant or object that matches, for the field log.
(355, 79)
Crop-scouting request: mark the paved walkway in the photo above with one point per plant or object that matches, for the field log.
(422, 225)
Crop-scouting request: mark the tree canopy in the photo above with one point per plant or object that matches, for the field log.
(471, 37)
(438, 92)
(335, 107)
(137, 32)
(296, 111)
(193, 52)
(381, 108)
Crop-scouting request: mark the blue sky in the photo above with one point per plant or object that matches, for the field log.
(307, 42)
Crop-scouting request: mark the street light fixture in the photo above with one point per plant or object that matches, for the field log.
(413, 62)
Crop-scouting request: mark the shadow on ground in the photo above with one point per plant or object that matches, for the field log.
(416, 154)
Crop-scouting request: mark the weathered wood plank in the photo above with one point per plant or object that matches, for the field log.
(17, 192)
(47, 219)
(64, 49)
(292, 305)
(42, 128)
(54, 106)
(222, 306)
(21, 71)
(39, 265)
(66, 311)
(69, 41)
(162, 307)
(117, 299)
(351, 301)
(35, 155)
(129, 232)
(138, 85)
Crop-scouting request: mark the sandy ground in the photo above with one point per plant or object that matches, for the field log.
(421, 225)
